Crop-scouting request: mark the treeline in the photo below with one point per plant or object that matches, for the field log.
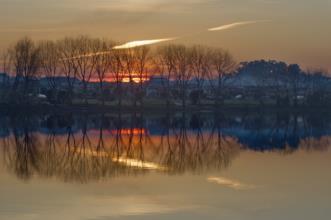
(285, 84)
(83, 60)
(84, 70)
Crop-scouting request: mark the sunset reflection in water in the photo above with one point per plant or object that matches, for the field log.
(154, 167)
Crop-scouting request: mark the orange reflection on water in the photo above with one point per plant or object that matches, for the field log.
(130, 131)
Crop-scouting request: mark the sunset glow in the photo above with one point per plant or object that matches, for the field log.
(144, 21)
(124, 78)
(165, 109)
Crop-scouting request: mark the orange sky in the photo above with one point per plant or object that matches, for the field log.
(298, 31)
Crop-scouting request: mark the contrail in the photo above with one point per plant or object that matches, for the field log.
(139, 43)
(236, 24)
(127, 45)
(88, 55)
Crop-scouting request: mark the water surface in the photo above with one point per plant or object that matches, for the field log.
(169, 166)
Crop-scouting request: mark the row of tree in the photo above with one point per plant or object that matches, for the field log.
(88, 59)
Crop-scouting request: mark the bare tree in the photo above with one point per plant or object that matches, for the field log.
(103, 63)
(6, 61)
(85, 61)
(50, 65)
(199, 67)
(68, 68)
(128, 61)
(165, 64)
(117, 71)
(26, 59)
(142, 63)
(222, 63)
(182, 71)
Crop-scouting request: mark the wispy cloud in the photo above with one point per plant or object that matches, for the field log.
(233, 184)
(139, 43)
(236, 24)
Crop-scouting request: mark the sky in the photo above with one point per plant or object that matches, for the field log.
(295, 31)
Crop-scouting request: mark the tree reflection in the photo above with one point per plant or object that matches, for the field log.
(95, 147)
(23, 156)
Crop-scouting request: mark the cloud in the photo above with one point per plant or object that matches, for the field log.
(236, 24)
(139, 43)
(233, 184)
(127, 45)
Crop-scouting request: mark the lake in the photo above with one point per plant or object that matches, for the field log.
(222, 165)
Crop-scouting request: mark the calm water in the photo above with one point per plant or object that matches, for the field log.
(174, 166)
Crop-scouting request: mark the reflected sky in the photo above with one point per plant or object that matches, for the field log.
(295, 185)
(126, 167)
(298, 30)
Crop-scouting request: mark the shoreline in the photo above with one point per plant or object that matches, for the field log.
(157, 109)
